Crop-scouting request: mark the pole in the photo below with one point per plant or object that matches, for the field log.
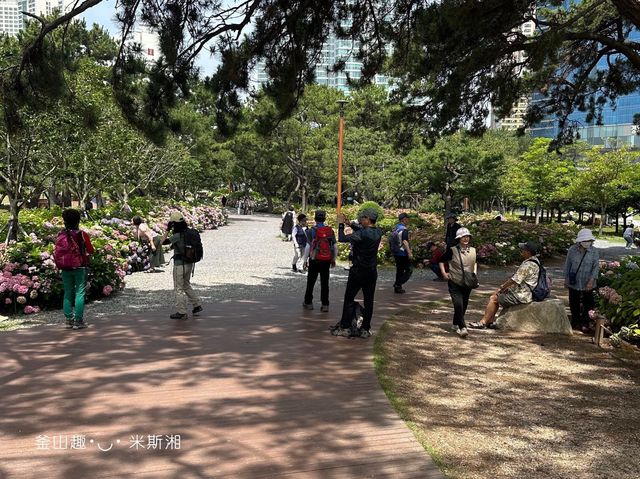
(340, 139)
(340, 145)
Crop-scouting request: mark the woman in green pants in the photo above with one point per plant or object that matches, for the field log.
(72, 251)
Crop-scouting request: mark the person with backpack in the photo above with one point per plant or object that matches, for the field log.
(71, 254)
(363, 275)
(581, 270)
(516, 290)
(300, 245)
(321, 251)
(187, 250)
(401, 251)
(461, 277)
(144, 234)
(287, 223)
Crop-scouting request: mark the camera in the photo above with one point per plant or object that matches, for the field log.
(170, 225)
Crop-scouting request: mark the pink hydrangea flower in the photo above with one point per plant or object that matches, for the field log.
(7, 301)
(107, 290)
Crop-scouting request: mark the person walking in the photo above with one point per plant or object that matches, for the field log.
(321, 251)
(299, 262)
(401, 250)
(181, 269)
(363, 275)
(581, 270)
(286, 226)
(144, 234)
(72, 252)
(451, 230)
(461, 259)
(628, 236)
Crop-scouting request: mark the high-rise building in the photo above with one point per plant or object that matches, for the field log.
(11, 18)
(147, 40)
(334, 50)
(515, 119)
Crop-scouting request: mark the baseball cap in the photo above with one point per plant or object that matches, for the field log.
(530, 246)
(402, 216)
(368, 213)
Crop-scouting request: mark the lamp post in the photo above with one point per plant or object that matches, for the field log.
(342, 103)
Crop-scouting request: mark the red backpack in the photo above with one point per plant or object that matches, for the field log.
(322, 246)
(69, 253)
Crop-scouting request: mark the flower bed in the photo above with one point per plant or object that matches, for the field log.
(618, 298)
(30, 280)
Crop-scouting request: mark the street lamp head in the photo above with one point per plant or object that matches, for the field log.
(342, 103)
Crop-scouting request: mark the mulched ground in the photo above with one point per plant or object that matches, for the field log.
(513, 405)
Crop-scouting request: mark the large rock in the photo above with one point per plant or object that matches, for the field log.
(545, 317)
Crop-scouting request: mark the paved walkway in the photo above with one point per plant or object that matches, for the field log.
(254, 387)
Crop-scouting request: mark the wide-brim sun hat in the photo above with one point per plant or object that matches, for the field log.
(462, 232)
(585, 235)
(176, 217)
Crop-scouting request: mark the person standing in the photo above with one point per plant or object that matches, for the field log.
(144, 234)
(434, 260)
(452, 228)
(223, 201)
(181, 269)
(628, 236)
(299, 262)
(321, 251)
(461, 259)
(363, 275)
(72, 252)
(287, 223)
(581, 270)
(401, 251)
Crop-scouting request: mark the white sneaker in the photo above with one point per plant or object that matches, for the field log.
(462, 332)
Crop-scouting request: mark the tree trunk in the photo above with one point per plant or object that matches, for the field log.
(617, 222)
(14, 212)
(535, 212)
(303, 196)
(602, 216)
(269, 204)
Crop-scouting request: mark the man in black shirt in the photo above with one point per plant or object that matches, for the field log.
(365, 241)
(452, 227)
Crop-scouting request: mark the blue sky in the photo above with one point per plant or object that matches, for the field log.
(104, 14)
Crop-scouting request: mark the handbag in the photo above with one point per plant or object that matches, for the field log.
(469, 280)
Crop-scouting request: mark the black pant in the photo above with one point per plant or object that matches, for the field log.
(315, 268)
(359, 279)
(403, 270)
(580, 303)
(460, 298)
(436, 269)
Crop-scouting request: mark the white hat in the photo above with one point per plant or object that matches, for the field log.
(585, 235)
(462, 232)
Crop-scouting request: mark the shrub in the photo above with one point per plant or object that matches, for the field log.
(374, 206)
(618, 297)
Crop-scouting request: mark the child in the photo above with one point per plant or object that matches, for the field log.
(71, 253)
(300, 244)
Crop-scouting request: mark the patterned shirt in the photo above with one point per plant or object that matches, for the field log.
(526, 278)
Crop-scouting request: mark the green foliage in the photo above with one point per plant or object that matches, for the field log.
(374, 206)
(619, 292)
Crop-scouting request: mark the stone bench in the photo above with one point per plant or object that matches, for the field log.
(547, 316)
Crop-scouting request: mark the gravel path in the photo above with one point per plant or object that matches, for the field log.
(244, 260)
(248, 260)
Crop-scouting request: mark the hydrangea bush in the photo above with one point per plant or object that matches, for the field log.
(618, 298)
(30, 280)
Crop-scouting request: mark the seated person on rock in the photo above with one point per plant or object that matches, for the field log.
(517, 289)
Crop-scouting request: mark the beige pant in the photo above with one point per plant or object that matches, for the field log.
(182, 287)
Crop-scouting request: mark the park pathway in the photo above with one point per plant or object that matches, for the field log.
(254, 387)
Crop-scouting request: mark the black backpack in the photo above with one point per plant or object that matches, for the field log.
(193, 251)
(542, 289)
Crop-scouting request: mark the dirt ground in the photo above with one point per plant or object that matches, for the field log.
(512, 405)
